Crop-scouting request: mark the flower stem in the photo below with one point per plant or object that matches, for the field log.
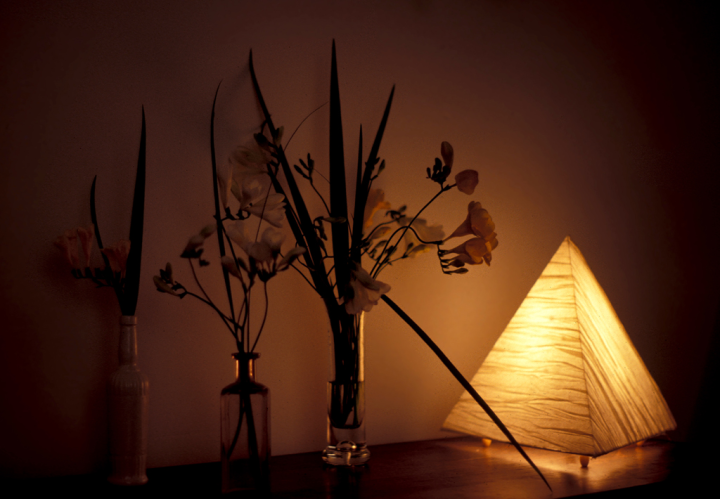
(380, 264)
(461, 379)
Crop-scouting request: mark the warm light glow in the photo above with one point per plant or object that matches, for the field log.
(564, 374)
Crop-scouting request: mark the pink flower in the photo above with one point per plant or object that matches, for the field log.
(466, 181)
(68, 242)
(86, 239)
(477, 222)
(364, 293)
(117, 255)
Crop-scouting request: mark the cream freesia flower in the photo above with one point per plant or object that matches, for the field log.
(225, 183)
(429, 233)
(263, 254)
(251, 159)
(272, 210)
(255, 199)
(364, 292)
(193, 248)
(375, 201)
(474, 251)
(249, 162)
(380, 232)
(267, 249)
(230, 264)
(238, 232)
(290, 257)
(478, 222)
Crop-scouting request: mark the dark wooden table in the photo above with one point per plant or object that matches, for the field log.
(436, 469)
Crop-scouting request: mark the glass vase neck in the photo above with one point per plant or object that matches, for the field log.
(127, 352)
(245, 365)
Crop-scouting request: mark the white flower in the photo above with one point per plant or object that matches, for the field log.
(267, 249)
(264, 251)
(272, 209)
(231, 266)
(364, 293)
(255, 199)
(237, 231)
(290, 257)
(193, 248)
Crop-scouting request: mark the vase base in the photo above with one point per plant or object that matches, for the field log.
(128, 470)
(346, 454)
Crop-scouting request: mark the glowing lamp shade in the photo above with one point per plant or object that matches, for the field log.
(564, 374)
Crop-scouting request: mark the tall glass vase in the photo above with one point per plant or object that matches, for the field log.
(245, 430)
(128, 411)
(346, 444)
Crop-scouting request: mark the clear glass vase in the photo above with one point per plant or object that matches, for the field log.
(128, 411)
(346, 444)
(245, 430)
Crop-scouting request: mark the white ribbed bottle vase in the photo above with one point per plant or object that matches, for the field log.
(128, 415)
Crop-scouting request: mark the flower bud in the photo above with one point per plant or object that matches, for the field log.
(446, 151)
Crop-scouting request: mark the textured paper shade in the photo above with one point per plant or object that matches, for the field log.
(564, 374)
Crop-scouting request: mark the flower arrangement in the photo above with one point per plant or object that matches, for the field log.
(262, 184)
(128, 386)
(244, 205)
(121, 259)
(345, 286)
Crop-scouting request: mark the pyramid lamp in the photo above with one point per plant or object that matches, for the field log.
(564, 375)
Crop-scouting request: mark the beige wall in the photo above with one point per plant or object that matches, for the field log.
(588, 123)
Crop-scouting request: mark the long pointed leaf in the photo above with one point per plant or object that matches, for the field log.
(218, 216)
(128, 303)
(338, 188)
(358, 219)
(93, 215)
(454, 371)
(361, 200)
(379, 135)
(302, 228)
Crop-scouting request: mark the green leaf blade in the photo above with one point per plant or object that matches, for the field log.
(338, 188)
(129, 298)
(361, 192)
(300, 223)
